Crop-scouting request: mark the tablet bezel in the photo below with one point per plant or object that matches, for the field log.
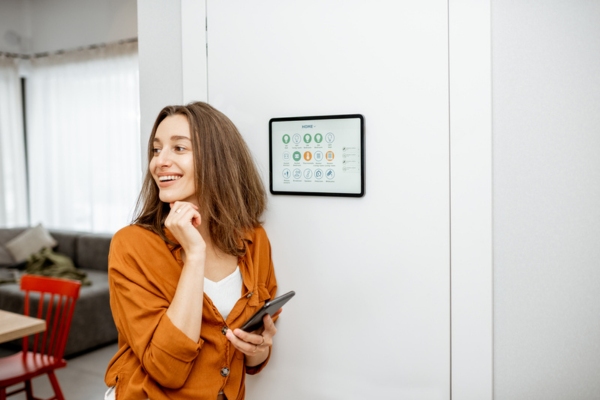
(319, 193)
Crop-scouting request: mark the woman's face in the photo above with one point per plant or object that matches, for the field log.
(172, 165)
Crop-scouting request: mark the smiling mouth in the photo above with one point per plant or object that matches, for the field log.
(168, 178)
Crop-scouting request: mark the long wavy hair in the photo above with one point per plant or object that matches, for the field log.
(229, 189)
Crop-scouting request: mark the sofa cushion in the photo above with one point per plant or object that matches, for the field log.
(67, 243)
(92, 251)
(29, 242)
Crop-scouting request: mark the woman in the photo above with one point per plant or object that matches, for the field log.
(194, 266)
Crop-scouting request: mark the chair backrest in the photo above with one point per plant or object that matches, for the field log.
(53, 300)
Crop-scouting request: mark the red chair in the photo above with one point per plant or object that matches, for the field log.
(55, 300)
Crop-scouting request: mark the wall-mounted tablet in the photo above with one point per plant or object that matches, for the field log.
(319, 155)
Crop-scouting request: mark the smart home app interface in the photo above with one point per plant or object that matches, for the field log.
(318, 156)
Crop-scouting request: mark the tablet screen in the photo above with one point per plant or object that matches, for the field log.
(321, 155)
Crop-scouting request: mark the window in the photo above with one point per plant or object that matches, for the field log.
(13, 178)
(83, 146)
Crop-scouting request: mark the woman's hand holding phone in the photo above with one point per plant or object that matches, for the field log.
(256, 336)
(255, 345)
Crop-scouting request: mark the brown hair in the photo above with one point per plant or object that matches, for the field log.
(229, 190)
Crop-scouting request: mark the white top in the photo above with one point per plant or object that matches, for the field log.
(225, 293)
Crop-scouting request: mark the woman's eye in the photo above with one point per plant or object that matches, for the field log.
(155, 151)
(179, 148)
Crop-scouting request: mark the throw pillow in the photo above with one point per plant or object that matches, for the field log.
(29, 242)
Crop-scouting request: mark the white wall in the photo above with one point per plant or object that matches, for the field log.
(14, 26)
(160, 55)
(546, 86)
(50, 25)
(471, 198)
(67, 24)
(371, 316)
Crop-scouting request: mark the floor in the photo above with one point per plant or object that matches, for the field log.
(82, 379)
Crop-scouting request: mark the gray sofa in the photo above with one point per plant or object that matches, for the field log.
(92, 326)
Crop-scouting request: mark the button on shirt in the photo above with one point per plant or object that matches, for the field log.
(155, 359)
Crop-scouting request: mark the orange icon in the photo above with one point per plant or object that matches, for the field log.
(329, 155)
(307, 155)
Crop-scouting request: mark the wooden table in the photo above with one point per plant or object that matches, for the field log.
(14, 326)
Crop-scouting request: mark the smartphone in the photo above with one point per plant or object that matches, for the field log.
(270, 307)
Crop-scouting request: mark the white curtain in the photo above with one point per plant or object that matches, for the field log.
(83, 138)
(13, 178)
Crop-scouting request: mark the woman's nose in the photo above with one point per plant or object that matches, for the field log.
(163, 158)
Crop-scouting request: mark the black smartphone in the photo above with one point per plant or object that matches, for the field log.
(270, 307)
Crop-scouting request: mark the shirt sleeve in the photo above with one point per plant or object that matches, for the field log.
(139, 309)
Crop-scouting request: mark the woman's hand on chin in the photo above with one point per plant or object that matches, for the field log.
(183, 221)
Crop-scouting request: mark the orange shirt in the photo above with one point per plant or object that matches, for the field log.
(155, 359)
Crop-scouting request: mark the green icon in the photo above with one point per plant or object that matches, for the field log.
(318, 138)
(307, 138)
(286, 138)
(297, 156)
